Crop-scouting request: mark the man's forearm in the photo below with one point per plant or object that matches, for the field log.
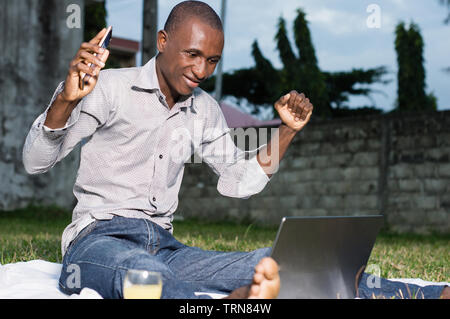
(269, 158)
(59, 112)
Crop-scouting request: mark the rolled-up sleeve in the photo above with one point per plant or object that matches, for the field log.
(240, 174)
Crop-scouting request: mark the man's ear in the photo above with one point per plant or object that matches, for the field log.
(162, 40)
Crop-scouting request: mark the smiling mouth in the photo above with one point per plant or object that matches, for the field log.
(191, 83)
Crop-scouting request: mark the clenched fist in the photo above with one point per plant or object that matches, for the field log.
(294, 109)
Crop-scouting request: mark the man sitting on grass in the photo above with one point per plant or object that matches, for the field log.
(135, 121)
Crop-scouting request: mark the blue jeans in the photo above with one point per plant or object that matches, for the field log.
(105, 250)
(374, 287)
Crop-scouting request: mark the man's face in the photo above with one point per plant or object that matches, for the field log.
(188, 56)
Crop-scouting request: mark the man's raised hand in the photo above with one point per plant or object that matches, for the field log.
(294, 109)
(79, 66)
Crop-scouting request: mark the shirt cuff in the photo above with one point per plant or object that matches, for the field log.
(55, 133)
(255, 167)
(254, 179)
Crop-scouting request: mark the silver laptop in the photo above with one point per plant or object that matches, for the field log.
(320, 257)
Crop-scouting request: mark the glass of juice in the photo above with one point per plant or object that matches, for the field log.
(142, 284)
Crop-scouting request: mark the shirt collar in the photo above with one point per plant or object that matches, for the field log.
(147, 81)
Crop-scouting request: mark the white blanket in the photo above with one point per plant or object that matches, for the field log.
(38, 279)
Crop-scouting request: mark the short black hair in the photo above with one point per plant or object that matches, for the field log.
(187, 9)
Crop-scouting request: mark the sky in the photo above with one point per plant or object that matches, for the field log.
(346, 34)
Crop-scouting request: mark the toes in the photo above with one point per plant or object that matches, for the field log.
(266, 281)
(260, 267)
(258, 278)
(269, 268)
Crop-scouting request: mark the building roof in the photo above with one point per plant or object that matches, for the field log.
(236, 118)
(124, 45)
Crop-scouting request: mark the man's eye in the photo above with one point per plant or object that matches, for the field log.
(192, 54)
(214, 61)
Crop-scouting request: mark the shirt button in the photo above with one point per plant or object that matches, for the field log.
(154, 199)
(160, 156)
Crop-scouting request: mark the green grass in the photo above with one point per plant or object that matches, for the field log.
(412, 256)
(35, 233)
(32, 233)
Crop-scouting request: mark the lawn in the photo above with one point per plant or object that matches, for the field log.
(35, 233)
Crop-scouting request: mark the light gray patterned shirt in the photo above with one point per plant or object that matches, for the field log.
(134, 149)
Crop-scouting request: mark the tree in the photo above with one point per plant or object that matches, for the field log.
(289, 74)
(311, 79)
(343, 84)
(268, 80)
(411, 71)
(94, 20)
(302, 72)
(262, 84)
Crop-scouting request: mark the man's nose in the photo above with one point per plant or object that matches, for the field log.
(199, 70)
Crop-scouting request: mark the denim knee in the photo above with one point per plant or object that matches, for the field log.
(264, 252)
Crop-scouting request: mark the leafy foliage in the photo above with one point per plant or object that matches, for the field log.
(302, 72)
(311, 79)
(411, 71)
(95, 19)
(343, 84)
(328, 91)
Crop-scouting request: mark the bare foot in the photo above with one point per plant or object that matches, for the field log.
(266, 282)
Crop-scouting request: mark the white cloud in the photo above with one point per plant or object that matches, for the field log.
(341, 22)
(337, 22)
(401, 4)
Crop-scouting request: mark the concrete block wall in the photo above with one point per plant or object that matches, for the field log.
(36, 48)
(418, 176)
(395, 165)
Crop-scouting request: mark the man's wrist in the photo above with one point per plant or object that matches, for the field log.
(62, 99)
(59, 112)
(287, 130)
